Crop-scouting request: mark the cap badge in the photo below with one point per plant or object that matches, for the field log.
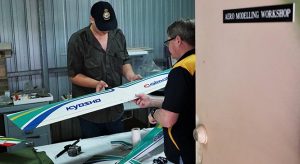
(106, 15)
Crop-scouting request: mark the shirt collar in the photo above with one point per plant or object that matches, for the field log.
(188, 53)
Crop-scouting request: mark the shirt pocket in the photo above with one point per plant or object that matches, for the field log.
(116, 61)
(94, 66)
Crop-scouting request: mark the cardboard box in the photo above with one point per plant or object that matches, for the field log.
(5, 50)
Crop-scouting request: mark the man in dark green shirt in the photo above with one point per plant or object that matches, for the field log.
(97, 59)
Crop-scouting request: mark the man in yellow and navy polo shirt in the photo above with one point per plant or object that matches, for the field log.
(176, 110)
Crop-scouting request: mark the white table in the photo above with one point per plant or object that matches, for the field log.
(93, 146)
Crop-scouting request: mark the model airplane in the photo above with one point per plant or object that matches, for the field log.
(150, 142)
(51, 113)
(8, 142)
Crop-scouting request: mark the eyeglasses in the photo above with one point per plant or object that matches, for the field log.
(166, 43)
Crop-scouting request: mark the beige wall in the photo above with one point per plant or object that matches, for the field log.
(248, 86)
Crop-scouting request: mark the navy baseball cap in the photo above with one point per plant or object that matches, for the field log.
(104, 16)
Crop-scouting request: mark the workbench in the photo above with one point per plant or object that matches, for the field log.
(96, 146)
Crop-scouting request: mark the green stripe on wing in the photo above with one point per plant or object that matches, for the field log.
(23, 117)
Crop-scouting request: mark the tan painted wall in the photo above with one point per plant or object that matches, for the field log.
(248, 86)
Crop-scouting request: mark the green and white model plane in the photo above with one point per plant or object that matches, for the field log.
(149, 143)
(8, 141)
(51, 113)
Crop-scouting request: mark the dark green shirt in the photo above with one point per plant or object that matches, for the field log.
(86, 56)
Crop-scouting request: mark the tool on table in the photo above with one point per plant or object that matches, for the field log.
(66, 148)
(74, 150)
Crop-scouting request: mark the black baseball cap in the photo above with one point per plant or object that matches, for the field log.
(104, 16)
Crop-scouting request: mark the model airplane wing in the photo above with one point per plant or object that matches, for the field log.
(150, 142)
(7, 142)
(48, 114)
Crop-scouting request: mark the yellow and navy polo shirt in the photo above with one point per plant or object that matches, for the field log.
(180, 98)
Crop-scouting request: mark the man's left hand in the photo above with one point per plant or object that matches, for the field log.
(136, 77)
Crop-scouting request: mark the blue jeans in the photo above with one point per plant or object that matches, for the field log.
(90, 129)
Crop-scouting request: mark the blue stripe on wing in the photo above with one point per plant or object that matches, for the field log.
(34, 123)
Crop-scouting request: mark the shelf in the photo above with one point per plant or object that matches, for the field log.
(5, 50)
(138, 51)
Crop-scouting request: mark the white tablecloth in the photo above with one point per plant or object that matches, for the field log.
(93, 146)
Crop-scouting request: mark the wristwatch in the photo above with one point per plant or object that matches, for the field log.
(152, 112)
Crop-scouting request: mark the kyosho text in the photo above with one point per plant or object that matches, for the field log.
(75, 107)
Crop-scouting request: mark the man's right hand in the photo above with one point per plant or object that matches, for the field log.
(101, 85)
(142, 100)
(151, 119)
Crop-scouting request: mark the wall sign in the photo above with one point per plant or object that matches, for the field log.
(276, 13)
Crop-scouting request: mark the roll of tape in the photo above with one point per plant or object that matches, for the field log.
(136, 136)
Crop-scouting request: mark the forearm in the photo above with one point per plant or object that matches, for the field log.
(165, 118)
(156, 101)
(84, 81)
(127, 72)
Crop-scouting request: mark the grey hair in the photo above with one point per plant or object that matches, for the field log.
(185, 28)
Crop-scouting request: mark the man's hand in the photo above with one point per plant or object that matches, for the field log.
(143, 101)
(135, 77)
(101, 85)
(128, 73)
(151, 119)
